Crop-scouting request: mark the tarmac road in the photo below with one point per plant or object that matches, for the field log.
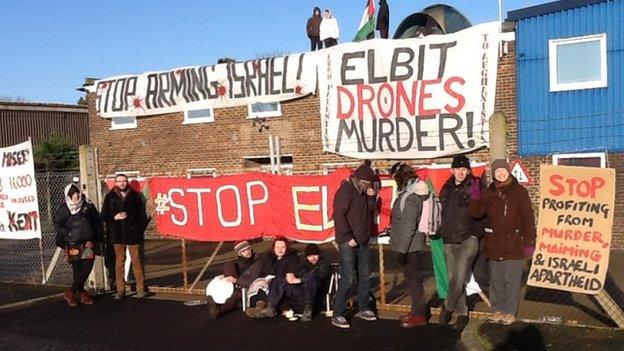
(150, 324)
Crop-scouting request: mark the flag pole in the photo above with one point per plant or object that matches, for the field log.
(500, 28)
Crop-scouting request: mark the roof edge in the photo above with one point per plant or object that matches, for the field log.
(550, 7)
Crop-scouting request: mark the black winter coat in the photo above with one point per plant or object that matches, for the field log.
(245, 270)
(128, 231)
(353, 218)
(322, 270)
(457, 224)
(78, 228)
(288, 264)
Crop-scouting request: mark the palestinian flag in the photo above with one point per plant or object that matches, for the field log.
(367, 24)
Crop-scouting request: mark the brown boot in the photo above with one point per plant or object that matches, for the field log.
(85, 299)
(69, 296)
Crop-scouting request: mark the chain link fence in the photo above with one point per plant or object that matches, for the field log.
(27, 261)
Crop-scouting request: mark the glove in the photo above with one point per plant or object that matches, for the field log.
(528, 251)
(475, 189)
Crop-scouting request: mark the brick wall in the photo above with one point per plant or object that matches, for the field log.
(162, 145)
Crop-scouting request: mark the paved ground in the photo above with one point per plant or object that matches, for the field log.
(151, 324)
(12, 293)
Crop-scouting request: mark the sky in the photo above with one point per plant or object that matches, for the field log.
(48, 48)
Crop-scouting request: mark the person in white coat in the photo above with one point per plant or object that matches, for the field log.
(329, 31)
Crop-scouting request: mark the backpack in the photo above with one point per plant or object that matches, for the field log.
(435, 217)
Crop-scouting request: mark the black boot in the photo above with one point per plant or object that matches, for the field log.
(213, 309)
(445, 316)
(462, 322)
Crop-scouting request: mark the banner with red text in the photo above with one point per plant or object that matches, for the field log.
(252, 205)
(19, 207)
(409, 98)
(574, 228)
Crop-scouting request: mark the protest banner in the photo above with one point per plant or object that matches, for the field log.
(263, 80)
(252, 205)
(19, 207)
(574, 228)
(409, 98)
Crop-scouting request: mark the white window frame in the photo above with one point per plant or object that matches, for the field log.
(265, 114)
(601, 155)
(115, 126)
(197, 120)
(552, 63)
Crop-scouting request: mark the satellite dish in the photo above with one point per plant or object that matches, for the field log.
(435, 19)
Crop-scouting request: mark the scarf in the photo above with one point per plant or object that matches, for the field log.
(73, 207)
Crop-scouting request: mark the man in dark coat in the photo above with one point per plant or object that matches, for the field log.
(312, 28)
(78, 232)
(241, 273)
(124, 214)
(461, 234)
(316, 267)
(383, 19)
(353, 222)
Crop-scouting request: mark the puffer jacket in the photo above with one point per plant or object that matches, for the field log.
(457, 224)
(78, 228)
(510, 220)
(406, 211)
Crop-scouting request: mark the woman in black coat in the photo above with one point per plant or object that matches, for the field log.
(78, 232)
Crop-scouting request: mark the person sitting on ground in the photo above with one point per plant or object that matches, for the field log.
(315, 265)
(286, 288)
(78, 232)
(241, 273)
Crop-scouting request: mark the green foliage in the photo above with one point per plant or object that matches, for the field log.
(56, 152)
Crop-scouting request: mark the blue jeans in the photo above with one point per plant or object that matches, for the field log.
(349, 256)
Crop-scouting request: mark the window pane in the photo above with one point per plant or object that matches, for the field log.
(580, 161)
(578, 62)
(268, 107)
(123, 120)
(198, 113)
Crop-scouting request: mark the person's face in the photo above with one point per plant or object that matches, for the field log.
(75, 198)
(460, 174)
(313, 259)
(121, 183)
(279, 249)
(247, 253)
(326, 14)
(364, 185)
(501, 174)
(317, 12)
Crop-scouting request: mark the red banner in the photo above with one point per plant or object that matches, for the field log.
(253, 205)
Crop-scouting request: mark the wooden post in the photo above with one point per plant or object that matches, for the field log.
(608, 304)
(184, 265)
(89, 184)
(382, 277)
(498, 136)
(210, 259)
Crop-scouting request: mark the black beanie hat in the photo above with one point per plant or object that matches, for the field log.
(460, 161)
(312, 249)
(364, 172)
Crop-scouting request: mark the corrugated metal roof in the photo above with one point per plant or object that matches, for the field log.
(547, 8)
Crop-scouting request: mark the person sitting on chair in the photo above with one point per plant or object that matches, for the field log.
(241, 273)
(315, 265)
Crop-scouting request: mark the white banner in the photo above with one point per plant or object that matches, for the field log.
(223, 85)
(410, 98)
(19, 207)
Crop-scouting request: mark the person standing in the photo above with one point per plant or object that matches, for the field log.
(509, 237)
(328, 30)
(409, 241)
(353, 222)
(124, 214)
(313, 27)
(78, 232)
(383, 19)
(460, 233)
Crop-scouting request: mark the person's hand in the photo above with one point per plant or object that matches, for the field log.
(231, 280)
(291, 279)
(66, 255)
(475, 189)
(352, 243)
(120, 216)
(370, 192)
(528, 251)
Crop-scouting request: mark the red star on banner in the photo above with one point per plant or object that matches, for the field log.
(137, 102)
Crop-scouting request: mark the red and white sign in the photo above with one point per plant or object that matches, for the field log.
(253, 205)
(520, 172)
